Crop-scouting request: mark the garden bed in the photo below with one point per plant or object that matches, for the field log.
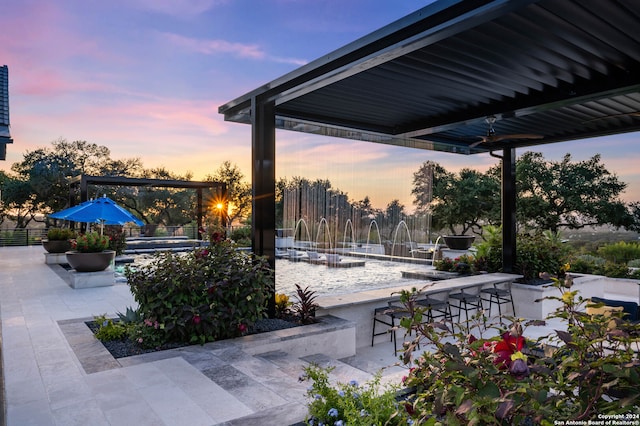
(125, 347)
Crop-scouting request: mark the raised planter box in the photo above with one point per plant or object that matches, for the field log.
(330, 335)
(524, 296)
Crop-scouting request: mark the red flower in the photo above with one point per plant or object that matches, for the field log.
(242, 328)
(196, 319)
(509, 345)
(503, 349)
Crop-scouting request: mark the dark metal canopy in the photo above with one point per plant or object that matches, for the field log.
(462, 76)
(547, 70)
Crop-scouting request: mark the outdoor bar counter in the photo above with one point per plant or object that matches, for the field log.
(359, 307)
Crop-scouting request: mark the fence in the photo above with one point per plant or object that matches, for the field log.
(22, 237)
(34, 236)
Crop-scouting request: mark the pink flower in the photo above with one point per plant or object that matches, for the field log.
(140, 339)
(196, 319)
(242, 328)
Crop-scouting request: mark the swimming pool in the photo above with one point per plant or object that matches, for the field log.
(326, 280)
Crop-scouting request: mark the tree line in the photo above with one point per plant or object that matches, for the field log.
(551, 195)
(39, 185)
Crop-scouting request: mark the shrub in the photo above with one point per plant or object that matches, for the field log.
(635, 263)
(242, 236)
(620, 252)
(536, 254)
(464, 264)
(108, 329)
(203, 295)
(568, 375)
(615, 270)
(282, 305)
(60, 234)
(117, 238)
(91, 242)
(351, 404)
(586, 264)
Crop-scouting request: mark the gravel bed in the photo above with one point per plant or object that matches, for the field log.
(126, 347)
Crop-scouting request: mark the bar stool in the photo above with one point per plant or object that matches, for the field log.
(468, 299)
(393, 312)
(499, 294)
(437, 306)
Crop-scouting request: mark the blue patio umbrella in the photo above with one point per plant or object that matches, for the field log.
(102, 210)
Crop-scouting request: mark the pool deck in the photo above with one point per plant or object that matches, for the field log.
(54, 375)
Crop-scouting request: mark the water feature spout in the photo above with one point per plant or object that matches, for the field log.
(402, 222)
(344, 237)
(373, 222)
(328, 232)
(295, 233)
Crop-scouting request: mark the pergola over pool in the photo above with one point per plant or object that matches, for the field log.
(545, 70)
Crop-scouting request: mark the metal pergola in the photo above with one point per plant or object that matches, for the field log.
(546, 71)
(83, 181)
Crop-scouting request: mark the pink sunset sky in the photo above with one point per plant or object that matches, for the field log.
(146, 77)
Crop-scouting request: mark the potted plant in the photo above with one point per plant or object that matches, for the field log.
(58, 240)
(89, 253)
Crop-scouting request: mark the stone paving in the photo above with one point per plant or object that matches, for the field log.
(56, 373)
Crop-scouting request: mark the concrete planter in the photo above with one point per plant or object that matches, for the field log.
(525, 295)
(90, 262)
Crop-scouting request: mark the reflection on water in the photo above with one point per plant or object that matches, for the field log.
(325, 280)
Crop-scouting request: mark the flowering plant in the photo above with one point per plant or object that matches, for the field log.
(91, 242)
(588, 368)
(352, 403)
(205, 295)
(464, 264)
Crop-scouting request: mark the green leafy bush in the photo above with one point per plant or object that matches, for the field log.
(108, 329)
(615, 270)
(117, 238)
(537, 253)
(242, 236)
(91, 242)
(589, 369)
(60, 234)
(200, 296)
(620, 252)
(586, 264)
(635, 263)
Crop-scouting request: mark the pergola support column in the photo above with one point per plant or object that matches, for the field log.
(508, 209)
(263, 177)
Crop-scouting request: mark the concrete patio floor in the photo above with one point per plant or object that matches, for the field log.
(54, 376)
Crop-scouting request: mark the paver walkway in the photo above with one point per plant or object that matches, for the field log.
(53, 375)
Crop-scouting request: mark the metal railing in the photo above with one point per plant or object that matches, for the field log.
(22, 237)
(34, 236)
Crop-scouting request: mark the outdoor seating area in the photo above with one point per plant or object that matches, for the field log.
(53, 371)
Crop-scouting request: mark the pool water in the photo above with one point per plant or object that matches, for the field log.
(324, 280)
